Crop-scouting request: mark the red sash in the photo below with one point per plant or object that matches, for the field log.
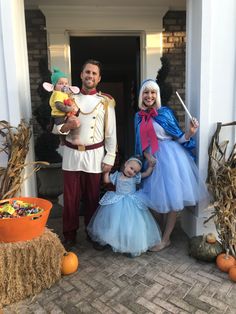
(147, 132)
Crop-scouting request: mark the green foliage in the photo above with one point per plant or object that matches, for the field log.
(46, 144)
(165, 87)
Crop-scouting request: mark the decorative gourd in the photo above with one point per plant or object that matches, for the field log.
(211, 238)
(69, 264)
(224, 261)
(202, 250)
(232, 273)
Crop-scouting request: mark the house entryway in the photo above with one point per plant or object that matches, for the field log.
(120, 58)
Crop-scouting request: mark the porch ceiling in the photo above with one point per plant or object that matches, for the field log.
(172, 4)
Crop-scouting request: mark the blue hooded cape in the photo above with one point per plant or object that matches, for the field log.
(167, 120)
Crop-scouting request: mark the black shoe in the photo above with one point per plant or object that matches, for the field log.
(129, 255)
(69, 244)
(98, 246)
(89, 239)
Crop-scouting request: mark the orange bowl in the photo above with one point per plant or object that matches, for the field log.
(27, 227)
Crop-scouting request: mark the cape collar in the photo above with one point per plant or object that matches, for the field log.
(91, 92)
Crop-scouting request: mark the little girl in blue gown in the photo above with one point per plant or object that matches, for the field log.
(122, 220)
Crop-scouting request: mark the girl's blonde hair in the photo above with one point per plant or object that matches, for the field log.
(151, 85)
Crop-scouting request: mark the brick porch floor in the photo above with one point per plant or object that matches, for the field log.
(166, 282)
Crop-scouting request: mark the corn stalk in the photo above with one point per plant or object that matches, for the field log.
(222, 183)
(15, 144)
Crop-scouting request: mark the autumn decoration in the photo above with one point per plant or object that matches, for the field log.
(14, 144)
(28, 267)
(201, 249)
(232, 273)
(69, 264)
(225, 261)
(211, 238)
(222, 183)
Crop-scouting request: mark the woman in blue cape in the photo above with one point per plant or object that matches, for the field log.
(174, 182)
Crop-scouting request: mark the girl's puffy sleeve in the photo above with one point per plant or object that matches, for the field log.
(113, 177)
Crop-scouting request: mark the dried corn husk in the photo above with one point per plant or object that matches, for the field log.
(222, 183)
(15, 144)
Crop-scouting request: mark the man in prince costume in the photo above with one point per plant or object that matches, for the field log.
(174, 182)
(89, 150)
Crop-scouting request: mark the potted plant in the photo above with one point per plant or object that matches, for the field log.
(165, 87)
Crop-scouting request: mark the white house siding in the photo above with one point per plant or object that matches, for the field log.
(14, 75)
(210, 82)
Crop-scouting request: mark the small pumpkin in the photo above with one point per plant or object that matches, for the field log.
(224, 261)
(204, 251)
(69, 263)
(211, 238)
(232, 273)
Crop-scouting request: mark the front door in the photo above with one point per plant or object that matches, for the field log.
(120, 58)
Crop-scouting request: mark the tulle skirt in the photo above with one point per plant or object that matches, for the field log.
(127, 226)
(174, 182)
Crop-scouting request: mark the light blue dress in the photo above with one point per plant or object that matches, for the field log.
(174, 182)
(123, 220)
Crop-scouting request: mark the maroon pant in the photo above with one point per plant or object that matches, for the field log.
(79, 185)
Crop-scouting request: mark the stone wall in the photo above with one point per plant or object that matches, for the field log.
(174, 48)
(37, 49)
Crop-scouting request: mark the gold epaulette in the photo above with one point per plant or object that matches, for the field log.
(104, 95)
(108, 98)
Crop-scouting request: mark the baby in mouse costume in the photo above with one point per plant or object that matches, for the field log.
(61, 101)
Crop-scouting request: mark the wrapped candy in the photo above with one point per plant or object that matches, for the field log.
(17, 209)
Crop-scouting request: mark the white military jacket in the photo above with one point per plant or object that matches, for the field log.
(98, 123)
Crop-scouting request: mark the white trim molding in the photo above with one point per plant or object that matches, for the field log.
(65, 21)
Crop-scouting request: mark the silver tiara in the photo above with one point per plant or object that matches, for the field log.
(135, 159)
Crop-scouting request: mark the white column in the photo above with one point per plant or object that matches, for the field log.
(59, 51)
(153, 53)
(14, 73)
(210, 84)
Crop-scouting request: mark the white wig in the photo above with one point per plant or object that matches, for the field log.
(151, 85)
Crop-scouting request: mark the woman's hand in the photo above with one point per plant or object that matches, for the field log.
(193, 126)
(151, 160)
(152, 164)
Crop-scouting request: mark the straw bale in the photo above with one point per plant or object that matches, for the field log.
(30, 266)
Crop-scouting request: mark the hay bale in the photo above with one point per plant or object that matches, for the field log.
(30, 266)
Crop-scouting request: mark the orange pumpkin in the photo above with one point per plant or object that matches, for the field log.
(232, 273)
(224, 261)
(211, 238)
(69, 264)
